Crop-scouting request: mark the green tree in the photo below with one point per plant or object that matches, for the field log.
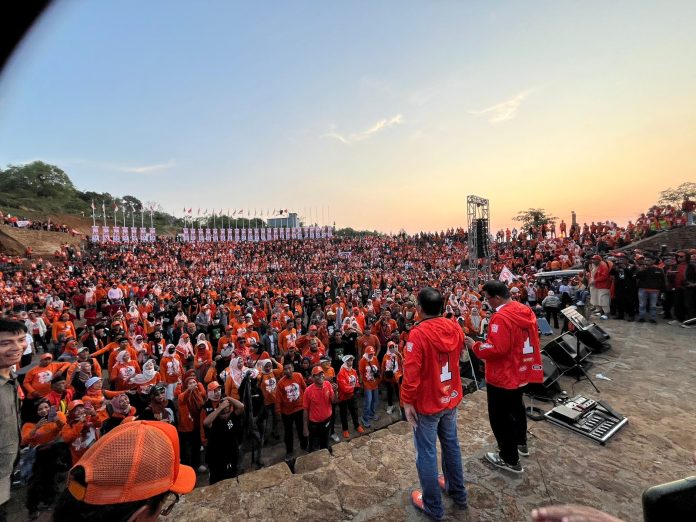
(534, 217)
(675, 196)
(132, 201)
(39, 178)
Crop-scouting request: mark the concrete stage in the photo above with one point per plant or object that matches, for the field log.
(652, 368)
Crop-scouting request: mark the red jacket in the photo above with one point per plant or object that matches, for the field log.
(347, 383)
(601, 276)
(511, 351)
(431, 379)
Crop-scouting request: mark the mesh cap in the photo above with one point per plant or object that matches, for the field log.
(134, 461)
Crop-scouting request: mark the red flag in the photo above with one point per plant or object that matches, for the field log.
(190, 210)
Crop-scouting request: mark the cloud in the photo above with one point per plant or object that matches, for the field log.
(143, 169)
(379, 126)
(505, 110)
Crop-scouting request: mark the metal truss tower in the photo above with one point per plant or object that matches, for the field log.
(478, 220)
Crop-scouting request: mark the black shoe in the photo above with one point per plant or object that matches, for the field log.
(631, 319)
(653, 321)
(496, 460)
(641, 320)
(523, 450)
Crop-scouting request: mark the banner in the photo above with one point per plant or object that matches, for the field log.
(200, 235)
(23, 224)
(134, 233)
(153, 234)
(208, 236)
(185, 235)
(215, 235)
(256, 234)
(116, 237)
(95, 234)
(106, 237)
(237, 234)
(143, 235)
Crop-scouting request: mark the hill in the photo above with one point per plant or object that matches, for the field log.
(14, 241)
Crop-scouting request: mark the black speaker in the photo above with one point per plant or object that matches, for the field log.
(563, 350)
(482, 238)
(550, 385)
(595, 338)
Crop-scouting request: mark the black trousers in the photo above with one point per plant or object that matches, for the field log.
(288, 422)
(348, 406)
(508, 420)
(190, 444)
(222, 462)
(319, 434)
(42, 486)
(552, 312)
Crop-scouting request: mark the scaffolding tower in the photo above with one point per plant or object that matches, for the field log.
(479, 243)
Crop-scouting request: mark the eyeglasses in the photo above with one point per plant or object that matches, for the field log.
(168, 509)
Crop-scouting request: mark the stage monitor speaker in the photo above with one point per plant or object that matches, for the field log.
(563, 350)
(595, 338)
(550, 385)
(482, 238)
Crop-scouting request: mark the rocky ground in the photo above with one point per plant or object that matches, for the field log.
(369, 477)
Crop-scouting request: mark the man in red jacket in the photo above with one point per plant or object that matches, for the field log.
(431, 390)
(513, 360)
(600, 285)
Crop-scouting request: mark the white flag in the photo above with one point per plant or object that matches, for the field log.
(506, 275)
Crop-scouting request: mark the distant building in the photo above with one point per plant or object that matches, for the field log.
(290, 221)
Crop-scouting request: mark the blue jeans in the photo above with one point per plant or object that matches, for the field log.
(443, 426)
(647, 300)
(369, 404)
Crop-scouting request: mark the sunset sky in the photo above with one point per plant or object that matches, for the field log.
(388, 113)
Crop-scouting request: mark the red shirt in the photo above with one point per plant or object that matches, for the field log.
(317, 402)
(290, 394)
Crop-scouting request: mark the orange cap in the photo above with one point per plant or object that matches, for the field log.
(317, 370)
(370, 350)
(214, 385)
(134, 461)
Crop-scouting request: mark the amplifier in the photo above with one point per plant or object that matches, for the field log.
(592, 419)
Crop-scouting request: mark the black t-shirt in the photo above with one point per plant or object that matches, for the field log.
(168, 414)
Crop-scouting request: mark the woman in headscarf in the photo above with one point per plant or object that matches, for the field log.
(118, 409)
(233, 380)
(149, 376)
(171, 369)
(203, 357)
(141, 349)
(191, 402)
(123, 370)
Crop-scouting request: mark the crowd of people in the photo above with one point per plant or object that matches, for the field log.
(236, 341)
(34, 224)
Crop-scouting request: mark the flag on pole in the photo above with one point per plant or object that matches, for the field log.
(190, 210)
(93, 207)
(199, 211)
(115, 207)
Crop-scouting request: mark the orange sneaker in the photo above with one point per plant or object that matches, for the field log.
(361, 429)
(346, 434)
(417, 499)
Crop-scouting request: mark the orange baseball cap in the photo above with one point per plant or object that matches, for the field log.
(214, 385)
(134, 461)
(370, 350)
(317, 370)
